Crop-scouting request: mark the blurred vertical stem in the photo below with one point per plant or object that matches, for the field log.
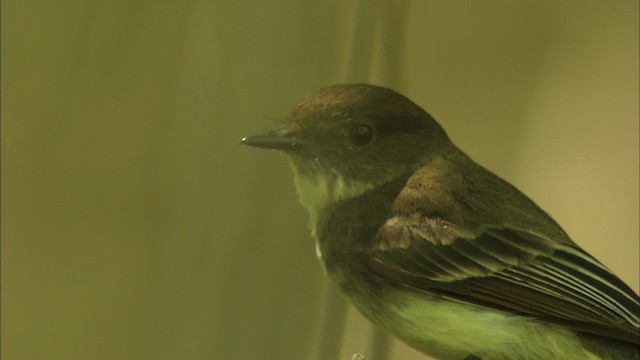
(377, 44)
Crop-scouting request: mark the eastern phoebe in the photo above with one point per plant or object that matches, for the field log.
(447, 256)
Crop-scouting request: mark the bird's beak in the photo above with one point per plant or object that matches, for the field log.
(277, 139)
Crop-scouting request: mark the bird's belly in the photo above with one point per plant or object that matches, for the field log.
(448, 329)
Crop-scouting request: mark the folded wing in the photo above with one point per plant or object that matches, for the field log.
(508, 269)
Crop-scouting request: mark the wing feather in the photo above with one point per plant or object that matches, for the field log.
(507, 269)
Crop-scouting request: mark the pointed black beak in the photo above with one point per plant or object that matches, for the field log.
(278, 139)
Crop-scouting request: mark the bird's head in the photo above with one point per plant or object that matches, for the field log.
(346, 139)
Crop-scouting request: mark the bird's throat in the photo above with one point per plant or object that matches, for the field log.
(319, 190)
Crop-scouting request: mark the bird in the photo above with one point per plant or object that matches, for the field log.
(439, 251)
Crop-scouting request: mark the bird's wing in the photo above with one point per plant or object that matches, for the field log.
(507, 269)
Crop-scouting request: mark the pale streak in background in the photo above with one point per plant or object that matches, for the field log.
(135, 227)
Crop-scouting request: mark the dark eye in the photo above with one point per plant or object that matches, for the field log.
(361, 135)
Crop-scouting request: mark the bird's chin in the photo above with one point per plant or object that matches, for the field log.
(316, 188)
(319, 186)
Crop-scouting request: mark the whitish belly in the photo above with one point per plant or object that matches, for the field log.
(454, 330)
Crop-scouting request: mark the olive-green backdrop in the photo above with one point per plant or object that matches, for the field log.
(135, 227)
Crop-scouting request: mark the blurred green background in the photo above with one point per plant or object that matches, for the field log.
(135, 227)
